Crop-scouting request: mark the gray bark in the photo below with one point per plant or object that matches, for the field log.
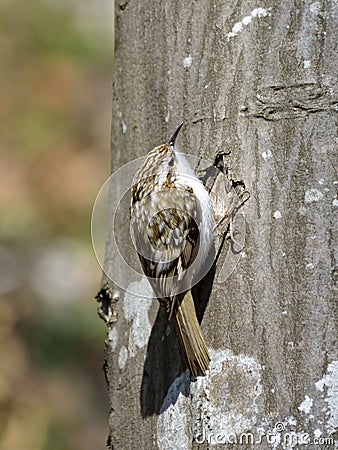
(258, 80)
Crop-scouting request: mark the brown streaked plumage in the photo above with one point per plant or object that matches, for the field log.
(172, 223)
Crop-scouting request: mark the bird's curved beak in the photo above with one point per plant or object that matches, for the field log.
(174, 136)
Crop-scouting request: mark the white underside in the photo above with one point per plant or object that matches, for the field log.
(206, 226)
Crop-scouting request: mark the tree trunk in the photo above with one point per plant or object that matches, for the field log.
(259, 82)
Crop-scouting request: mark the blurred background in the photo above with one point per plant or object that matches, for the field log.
(55, 111)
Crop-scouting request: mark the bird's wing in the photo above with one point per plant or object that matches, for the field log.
(172, 237)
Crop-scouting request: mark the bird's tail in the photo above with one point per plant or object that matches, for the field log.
(189, 332)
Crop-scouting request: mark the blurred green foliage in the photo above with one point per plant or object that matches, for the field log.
(56, 60)
(53, 339)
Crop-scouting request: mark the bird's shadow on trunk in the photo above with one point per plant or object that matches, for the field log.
(165, 373)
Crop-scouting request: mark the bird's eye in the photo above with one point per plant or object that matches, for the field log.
(171, 162)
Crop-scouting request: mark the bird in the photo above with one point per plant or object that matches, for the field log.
(172, 225)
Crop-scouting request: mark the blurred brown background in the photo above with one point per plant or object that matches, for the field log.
(55, 107)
